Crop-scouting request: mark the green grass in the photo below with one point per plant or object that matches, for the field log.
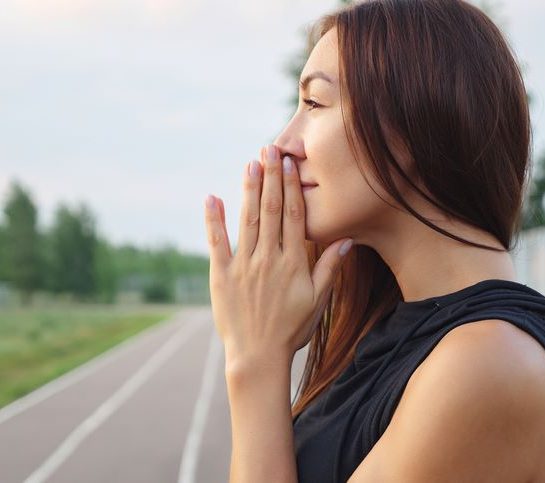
(39, 344)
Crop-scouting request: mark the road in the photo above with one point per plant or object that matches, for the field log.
(154, 409)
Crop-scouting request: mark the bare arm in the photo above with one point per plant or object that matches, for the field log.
(267, 302)
(261, 422)
(473, 411)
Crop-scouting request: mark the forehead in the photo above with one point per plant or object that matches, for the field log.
(324, 56)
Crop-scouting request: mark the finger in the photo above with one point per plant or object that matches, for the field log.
(218, 241)
(249, 214)
(222, 213)
(326, 267)
(293, 219)
(270, 223)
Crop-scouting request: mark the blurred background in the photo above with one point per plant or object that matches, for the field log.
(117, 119)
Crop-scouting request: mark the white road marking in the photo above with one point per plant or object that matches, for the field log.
(188, 465)
(114, 402)
(79, 373)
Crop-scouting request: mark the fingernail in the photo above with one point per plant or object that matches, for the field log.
(271, 153)
(288, 166)
(254, 168)
(343, 250)
(210, 201)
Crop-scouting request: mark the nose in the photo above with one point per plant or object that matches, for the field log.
(290, 141)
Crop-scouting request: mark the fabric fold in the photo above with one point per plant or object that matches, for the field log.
(338, 429)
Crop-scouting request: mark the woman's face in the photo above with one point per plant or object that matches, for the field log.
(342, 204)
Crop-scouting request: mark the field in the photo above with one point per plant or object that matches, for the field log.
(38, 344)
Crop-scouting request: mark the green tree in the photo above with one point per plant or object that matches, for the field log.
(73, 249)
(160, 275)
(106, 276)
(21, 243)
(160, 287)
(3, 255)
(534, 203)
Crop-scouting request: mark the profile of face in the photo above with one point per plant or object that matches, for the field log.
(343, 204)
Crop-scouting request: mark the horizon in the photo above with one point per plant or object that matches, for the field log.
(129, 108)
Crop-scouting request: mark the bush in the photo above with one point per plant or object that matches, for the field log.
(158, 291)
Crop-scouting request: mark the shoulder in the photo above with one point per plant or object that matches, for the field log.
(478, 350)
(474, 410)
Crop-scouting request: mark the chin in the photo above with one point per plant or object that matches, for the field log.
(321, 236)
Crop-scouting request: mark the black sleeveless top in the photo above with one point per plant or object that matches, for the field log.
(339, 428)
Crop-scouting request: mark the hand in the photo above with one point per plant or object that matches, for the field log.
(264, 298)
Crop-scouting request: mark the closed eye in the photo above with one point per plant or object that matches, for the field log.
(311, 103)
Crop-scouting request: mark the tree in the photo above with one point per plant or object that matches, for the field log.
(73, 248)
(106, 276)
(21, 243)
(160, 287)
(534, 203)
(3, 255)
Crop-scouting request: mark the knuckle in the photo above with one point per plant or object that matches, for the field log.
(294, 211)
(272, 168)
(290, 264)
(214, 237)
(266, 264)
(272, 205)
(261, 262)
(238, 276)
(252, 219)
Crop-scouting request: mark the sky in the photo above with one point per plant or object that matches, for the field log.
(141, 108)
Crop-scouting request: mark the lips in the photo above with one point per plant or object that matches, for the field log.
(307, 183)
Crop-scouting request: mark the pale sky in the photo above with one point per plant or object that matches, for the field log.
(141, 108)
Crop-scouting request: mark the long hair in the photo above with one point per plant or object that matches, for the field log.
(439, 78)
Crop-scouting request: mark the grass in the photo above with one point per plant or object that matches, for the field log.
(38, 344)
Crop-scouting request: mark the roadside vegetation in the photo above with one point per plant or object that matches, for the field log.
(38, 344)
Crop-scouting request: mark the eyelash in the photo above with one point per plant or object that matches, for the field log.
(313, 104)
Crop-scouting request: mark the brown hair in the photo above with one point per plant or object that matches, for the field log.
(440, 76)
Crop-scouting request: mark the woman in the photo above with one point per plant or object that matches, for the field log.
(426, 360)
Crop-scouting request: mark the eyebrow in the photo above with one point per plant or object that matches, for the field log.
(304, 82)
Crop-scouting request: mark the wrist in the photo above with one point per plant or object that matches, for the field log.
(256, 363)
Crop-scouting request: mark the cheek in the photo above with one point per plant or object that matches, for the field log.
(342, 206)
(325, 141)
(344, 203)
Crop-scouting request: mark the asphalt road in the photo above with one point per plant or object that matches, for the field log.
(152, 410)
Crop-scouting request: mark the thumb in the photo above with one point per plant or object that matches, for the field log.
(326, 267)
